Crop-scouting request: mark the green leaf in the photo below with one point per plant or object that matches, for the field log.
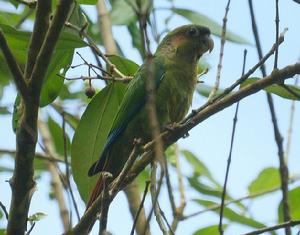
(294, 205)
(6, 169)
(53, 83)
(209, 230)
(202, 66)
(215, 28)
(142, 178)
(87, 2)
(211, 191)
(126, 66)
(267, 179)
(62, 57)
(91, 133)
(36, 217)
(197, 165)
(2, 230)
(231, 214)
(135, 36)
(4, 110)
(204, 188)
(277, 89)
(57, 136)
(205, 90)
(122, 13)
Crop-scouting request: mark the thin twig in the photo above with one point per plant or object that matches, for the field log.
(154, 196)
(127, 167)
(285, 225)
(94, 47)
(67, 176)
(4, 210)
(31, 228)
(23, 18)
(241, 79)
(140, 207)
(41, 25)
(250, 196)
(290, 129)
(180, 208)
(217, 83)
(278, 137)
(106, 200)
(220, 227)
(170, 137)
(56, 183)
(276, 34)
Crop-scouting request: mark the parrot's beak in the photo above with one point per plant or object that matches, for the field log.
(210, 44)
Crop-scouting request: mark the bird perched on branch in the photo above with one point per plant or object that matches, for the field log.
(174, 70)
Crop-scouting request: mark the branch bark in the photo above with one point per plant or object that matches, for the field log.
(22, 182)
(170, 137)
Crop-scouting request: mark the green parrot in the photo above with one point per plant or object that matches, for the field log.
(174, 69)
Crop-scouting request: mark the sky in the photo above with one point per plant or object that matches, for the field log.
(254, 147)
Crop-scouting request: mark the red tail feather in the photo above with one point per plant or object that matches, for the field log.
(95, 193)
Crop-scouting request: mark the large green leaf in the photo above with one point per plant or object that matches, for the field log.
(91, 134)
(231, 214)
(209, 230)
(126, 66)
(204, 188)
(87, 2)
(122, 13)
(277, 89)
(215, 28)
(198, 166)
(294, 205)
(267, 179)
(62, 57)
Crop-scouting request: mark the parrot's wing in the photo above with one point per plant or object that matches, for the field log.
(133, 100)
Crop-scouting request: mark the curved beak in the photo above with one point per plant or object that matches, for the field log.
(210, 43)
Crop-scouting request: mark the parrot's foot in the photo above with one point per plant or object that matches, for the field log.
(171, 126)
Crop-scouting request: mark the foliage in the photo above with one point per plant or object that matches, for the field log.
(89, 121)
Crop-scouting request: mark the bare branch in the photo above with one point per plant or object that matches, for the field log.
(43, 11)
(13, 66)
(284, 174)
(217, 83)
(106, 28)
(221, 231)
(4, 210)
(22, 182)
(140, 209)
(285, 225)
(170, 137)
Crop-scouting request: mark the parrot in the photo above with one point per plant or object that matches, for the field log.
(174, 70)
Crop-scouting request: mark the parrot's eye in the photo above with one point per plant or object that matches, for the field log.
(192, 31)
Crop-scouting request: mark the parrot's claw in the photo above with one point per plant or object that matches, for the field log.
(186, 135)
(171, 126)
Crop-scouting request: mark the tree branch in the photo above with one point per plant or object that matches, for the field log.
(278, 226)
(13, 66)
(40, 28)
(170, 137)
(44, 56)
(22, 182)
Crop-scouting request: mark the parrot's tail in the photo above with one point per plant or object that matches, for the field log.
(95, 193)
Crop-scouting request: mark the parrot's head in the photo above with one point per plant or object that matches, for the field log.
(188, 42)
